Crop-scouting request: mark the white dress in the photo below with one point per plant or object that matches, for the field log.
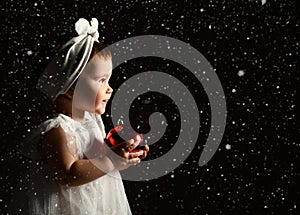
(105, 195)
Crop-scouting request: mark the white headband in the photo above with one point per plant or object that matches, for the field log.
(69, 62)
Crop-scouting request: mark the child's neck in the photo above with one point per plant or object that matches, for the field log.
(64, 105)
(78, 116)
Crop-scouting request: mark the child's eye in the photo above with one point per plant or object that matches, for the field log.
(102, 80)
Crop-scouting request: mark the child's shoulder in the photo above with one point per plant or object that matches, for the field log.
(62, 120)
(70, 125)
(29, 146)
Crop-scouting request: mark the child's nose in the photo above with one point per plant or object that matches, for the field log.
(109, 89)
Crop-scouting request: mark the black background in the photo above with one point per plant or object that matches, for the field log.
(257, 175)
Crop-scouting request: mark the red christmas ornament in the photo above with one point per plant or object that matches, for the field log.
(113, 138)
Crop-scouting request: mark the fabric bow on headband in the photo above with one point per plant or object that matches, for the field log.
(69, 62)
(83, 27)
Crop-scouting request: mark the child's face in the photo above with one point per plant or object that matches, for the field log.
(92, 90)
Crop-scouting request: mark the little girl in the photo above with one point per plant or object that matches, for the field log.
(76, 172)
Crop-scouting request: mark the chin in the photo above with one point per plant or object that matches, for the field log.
(100, 111)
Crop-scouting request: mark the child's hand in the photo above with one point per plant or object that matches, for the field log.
(143, 149)
(124, 156)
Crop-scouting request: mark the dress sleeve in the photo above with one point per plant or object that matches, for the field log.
(62, 121)
(31, 145)
(67, 124)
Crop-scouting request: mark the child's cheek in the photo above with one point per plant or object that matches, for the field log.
(98, 94)
(86, 92)
(92, 87)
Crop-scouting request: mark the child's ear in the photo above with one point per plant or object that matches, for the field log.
(69, 94)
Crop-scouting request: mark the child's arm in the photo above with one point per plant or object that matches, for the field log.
(68, 170)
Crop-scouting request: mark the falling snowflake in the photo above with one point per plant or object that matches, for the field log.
(241, 73)
(228, 146)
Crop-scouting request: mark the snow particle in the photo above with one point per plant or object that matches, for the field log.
(241, 73)
(228, 146)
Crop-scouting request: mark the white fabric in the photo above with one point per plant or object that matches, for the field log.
(69, 62)
(105, 195)
(83, 27)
